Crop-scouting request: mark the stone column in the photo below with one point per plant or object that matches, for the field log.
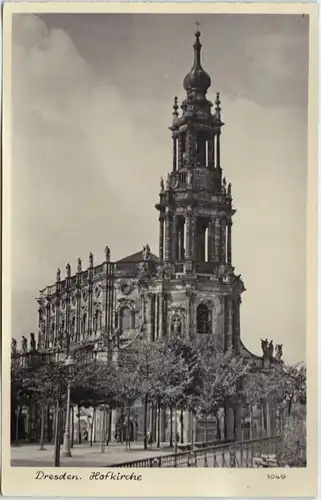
(48, 325)
(175, 236)
(223, 241)
(229, 333)
(181, 244)
(189, 294)
(237, 333)
(90, 305)
(149, 317)
(229, 242)
(217, 239)
(161, 237)
(218, 151)
(161, 315)
(174, 154)
(179, 152)
(57, 312)
(168, 236)
(210, 240)
(188, 222)
(78, 298)
(156, 312)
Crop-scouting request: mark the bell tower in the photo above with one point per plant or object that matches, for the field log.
(195, 215)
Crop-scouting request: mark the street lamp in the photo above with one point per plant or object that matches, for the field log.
(67, 442)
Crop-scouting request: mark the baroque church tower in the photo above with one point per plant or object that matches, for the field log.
(200, 293)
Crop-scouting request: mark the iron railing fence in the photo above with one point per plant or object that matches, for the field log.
(232, 455)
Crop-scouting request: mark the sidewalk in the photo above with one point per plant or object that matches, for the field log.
(29, 455)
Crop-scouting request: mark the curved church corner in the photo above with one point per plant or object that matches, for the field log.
(191, 287)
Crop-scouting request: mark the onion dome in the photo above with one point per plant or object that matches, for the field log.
(197, 79)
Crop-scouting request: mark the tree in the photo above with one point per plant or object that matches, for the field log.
(20, 395)
(179, 378)
(293, 449)
(257, 386)
(221, 373)
(289, 384)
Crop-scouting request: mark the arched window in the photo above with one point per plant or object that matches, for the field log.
(125, 319)
(203, 319)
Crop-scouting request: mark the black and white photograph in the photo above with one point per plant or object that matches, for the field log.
(158, 242)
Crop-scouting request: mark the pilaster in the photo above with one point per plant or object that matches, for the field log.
(161, 237)
(223, 241)
(217, 239)
(229, 242)
(168, 235)
(229, 333)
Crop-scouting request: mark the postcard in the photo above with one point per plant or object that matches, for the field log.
(160, 249)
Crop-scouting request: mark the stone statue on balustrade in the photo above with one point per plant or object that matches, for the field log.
(267, 348)
(107, 254)
(264, 346)
(162, 184)
(146, 252)
(32, 343)
(24, 344)
(79, 265)
(270, 349)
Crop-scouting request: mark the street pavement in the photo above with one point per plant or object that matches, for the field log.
(29, 455)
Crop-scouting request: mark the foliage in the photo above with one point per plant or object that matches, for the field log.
(186, 394)
(289, 383)
(221, 375)
(293, 451)
(283, 383)
(256, 387)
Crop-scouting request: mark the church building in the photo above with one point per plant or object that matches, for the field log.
(191, 287)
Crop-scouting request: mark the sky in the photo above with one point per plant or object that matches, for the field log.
(91, 106)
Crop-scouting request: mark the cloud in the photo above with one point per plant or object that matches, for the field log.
(75, 147)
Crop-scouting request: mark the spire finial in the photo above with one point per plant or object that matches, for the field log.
(197, 47)
(197, 79)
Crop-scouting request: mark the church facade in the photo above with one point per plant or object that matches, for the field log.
(191, 288)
